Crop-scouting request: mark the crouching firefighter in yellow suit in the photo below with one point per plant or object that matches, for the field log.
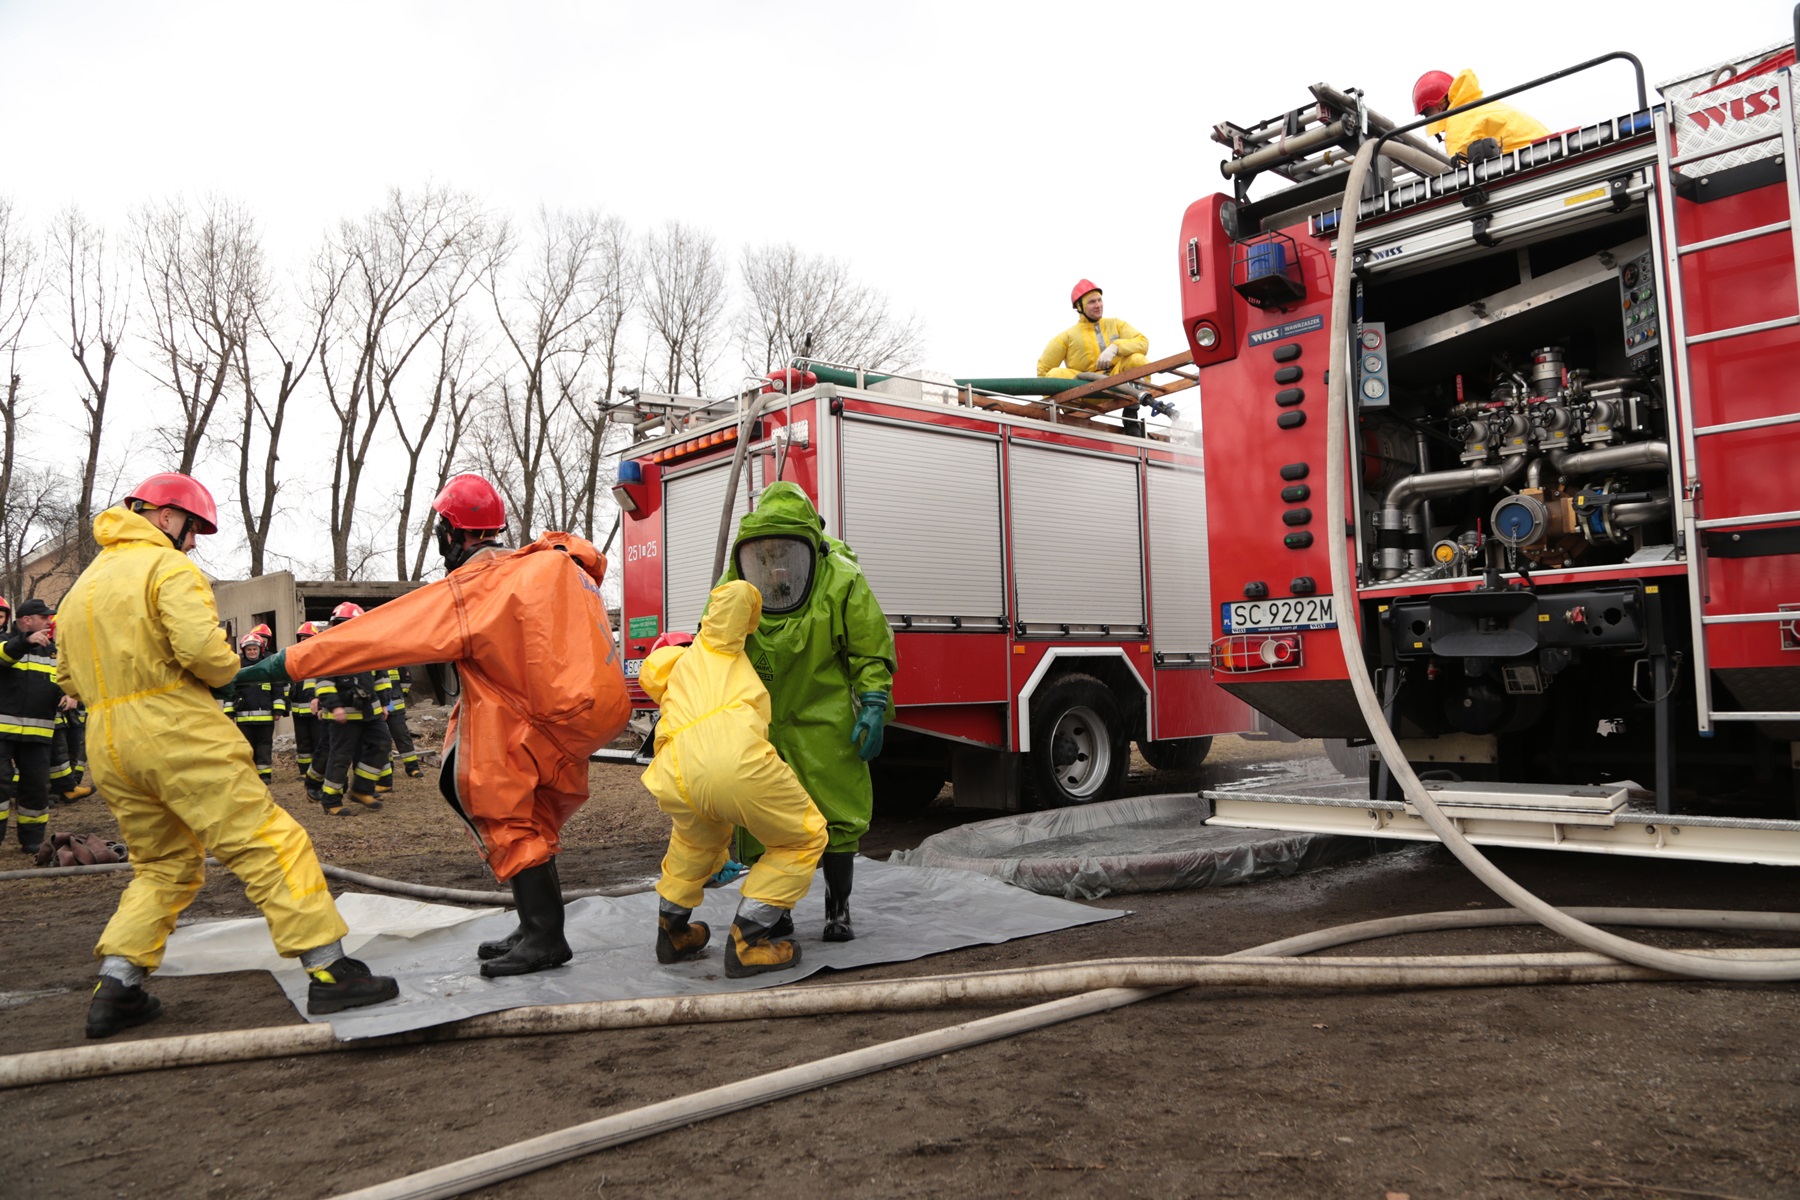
(715, 769)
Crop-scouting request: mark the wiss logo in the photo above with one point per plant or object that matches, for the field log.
(1743, 108)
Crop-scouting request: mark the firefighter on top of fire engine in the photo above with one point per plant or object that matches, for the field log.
(142, 647)
(356, 705)
(1437, 92)
(715, 770)
(256, 706)
(542, 689)
(306, 723)
(29, 702)
(826, 654)
(1096, 344)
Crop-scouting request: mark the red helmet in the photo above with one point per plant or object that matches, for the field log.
(5, 606)
(179, 491)
(471, 502)
(263, 632)
(1432, 87)
(250, 637)
(672, 638)
(345, 611)
(306, 630)
(1082, 287)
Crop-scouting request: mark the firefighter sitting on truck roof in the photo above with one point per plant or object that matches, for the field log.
(1436, 92)
(1096, 344)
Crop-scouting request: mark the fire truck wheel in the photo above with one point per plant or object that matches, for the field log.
(1078, 744)
(1181, 755)
(1352, 761)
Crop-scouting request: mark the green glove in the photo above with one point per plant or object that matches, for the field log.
(867, 734)
(264, 670)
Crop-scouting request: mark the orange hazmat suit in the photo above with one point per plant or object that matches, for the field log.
(542, 684)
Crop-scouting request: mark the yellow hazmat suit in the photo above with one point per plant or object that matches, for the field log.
(1502, 122)
(1080, 346)
(139, 643)
(714, 766)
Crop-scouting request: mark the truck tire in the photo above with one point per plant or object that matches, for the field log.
(1078, 743)
(1352, 761)
(1182, 755)
(905, 790)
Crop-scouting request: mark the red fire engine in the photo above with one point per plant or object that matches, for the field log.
(1571, 502)
(1043, 568)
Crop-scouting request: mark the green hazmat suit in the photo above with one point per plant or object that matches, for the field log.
(816, 660)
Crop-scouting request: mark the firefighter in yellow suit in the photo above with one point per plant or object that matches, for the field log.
(1096, 344)
(1437, 91)
(715, 769)
(141, 646)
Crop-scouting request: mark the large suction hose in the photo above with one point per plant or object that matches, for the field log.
(398, 887)
(1349, 626)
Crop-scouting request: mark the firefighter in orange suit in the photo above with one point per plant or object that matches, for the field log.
(542, 689)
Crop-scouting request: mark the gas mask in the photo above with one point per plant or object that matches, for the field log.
(781, 568)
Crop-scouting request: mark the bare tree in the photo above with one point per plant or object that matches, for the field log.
(450, 397)
(553, 313)
(36, 517)
(21, 283)
(204, 279)
(99, 305)
(792, 298)
(263, 417)
(409, 264)
(618, 278)
(684, 302)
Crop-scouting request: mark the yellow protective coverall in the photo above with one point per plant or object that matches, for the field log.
(1503, 122)
(139, 643)
(1080, 345)
(715, 769)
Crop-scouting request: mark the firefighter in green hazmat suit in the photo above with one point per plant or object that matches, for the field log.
(824, 650)
(715, 769)
(1437, 92)
(142, 648)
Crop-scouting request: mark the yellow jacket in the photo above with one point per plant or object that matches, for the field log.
(713, 675)
(141, 625)
(1079, 345)
(1501, 121)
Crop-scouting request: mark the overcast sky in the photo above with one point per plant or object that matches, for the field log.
(971, 159)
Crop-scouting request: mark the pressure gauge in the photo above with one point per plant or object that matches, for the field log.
(1372, 364)
(1371, 339)
(1373, 389)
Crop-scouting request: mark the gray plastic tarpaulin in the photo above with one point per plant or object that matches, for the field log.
(901, 913)
(1139, 844)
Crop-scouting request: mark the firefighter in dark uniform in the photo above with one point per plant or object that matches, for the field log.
(399, 684)
(355, 706)
(306, 725)
(256, 707)
(29, 702)
(68, 751)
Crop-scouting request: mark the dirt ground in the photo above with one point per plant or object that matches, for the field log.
(1623, 1090)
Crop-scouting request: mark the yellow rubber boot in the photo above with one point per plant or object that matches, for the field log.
(752, 951)
(679, 939)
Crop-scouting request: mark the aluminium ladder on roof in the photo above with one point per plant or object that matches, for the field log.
(1693, 524)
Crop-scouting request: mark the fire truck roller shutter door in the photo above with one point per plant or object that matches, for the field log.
(1180, 572)
(902, 487)
(1055, 492)
(692, 502)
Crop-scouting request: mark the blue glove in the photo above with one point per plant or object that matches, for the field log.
(727, 873)
(272, 669)
(869, 720)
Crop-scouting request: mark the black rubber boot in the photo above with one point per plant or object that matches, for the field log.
(538, 895)
(679, 939)
(751, 951)
(347, 983)
(495, 949)
(116, 1007)
(839, 869)
(31, 833)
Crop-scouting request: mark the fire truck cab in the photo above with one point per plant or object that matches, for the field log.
(1573, 511)
(1045, 576)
